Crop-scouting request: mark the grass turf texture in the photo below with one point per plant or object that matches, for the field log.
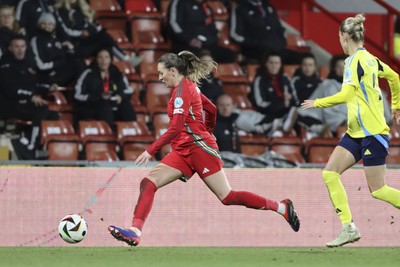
(197, 256)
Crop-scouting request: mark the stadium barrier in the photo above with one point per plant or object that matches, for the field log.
(34, 199)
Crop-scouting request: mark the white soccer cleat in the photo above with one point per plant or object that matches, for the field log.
(349, 234)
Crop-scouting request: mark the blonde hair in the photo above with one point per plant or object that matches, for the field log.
(84, 6)
(12, 9)
(354, 27)
(188, 65)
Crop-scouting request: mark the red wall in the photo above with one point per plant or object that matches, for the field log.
(33, 200)
(324, 31)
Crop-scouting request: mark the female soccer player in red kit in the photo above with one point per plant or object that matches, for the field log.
(194, 149)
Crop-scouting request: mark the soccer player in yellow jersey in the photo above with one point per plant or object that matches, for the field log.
(367, 136)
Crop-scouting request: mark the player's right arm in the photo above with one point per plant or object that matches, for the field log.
(384, 71)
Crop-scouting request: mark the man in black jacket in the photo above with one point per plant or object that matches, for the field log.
(20, 95)
(191, 25)
(256, 27)
(225, 130)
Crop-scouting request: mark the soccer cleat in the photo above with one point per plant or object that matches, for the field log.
(348, 234)
(126, 235)
(291, 215)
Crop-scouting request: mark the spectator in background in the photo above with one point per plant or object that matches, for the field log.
(9, 27)
(256, 27)
(211, 86)
(102, 92)
(306, 79)
(318, 121)
(54, 58)
(191, 26)
(12, 3)
(28, 13)
(226, 131)
(21, 95)
(272, 95)
(76, 19)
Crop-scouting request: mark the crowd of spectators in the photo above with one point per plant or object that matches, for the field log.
(50, 45)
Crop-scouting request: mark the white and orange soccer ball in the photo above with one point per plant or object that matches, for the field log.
(72, 228)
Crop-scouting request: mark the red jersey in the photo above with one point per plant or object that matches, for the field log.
(187, 128)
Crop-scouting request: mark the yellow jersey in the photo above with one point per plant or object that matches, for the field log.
(362, 95)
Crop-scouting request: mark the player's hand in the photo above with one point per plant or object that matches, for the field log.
(307, 104)
(396, 115)
(143, 158)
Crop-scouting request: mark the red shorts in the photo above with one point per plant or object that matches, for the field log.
(199, 160)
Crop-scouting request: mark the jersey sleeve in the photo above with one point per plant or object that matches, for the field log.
(344, 96)
(351, 72)
(181, 104)
(384, 71)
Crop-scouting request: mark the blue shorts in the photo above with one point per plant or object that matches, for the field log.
(372, 151)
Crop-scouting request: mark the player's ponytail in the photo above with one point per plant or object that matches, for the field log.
(354, 27)
(188, 65)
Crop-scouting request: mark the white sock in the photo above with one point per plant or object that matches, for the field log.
(136, 230)
(281, 208)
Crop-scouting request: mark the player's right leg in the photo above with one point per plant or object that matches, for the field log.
(159, 176)
(340, 160)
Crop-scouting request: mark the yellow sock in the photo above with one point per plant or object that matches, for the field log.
(388, 194)
(338, 195)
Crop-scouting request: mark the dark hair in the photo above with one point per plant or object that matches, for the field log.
(332, 64)
(187, 64)
(18, 37)
(263, 69)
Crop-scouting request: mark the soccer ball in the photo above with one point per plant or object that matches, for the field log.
(72, 228)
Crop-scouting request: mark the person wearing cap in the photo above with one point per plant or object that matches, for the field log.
(55, 59)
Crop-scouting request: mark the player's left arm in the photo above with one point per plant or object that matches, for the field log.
(210, 110)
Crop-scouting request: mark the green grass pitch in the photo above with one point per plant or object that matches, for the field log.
(198, 256)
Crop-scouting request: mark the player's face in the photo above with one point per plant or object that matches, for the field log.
(18, 48)
(273, 64)
(167, 76)
(308, 66)
(103, 60)
(343, 42)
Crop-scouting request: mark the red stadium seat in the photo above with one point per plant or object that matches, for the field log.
(121, 39)
(157, 97)
(296, 42)
(139, 5)
(59, 104)
(231, 73)
(98, 140)
(60, 140)
(224, 38)
(219, 9)
(160, 125)
(134, 138)
(318, 150)
(127, 69)
(254, 145)
(108, 13)
(289, 147)
(251, 71)
(289, 70)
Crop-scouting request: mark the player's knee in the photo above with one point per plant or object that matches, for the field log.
(146, 183)
(330, 175)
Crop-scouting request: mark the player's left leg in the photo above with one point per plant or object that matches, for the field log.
(219, 185)
(375, 169)
(378, 188)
